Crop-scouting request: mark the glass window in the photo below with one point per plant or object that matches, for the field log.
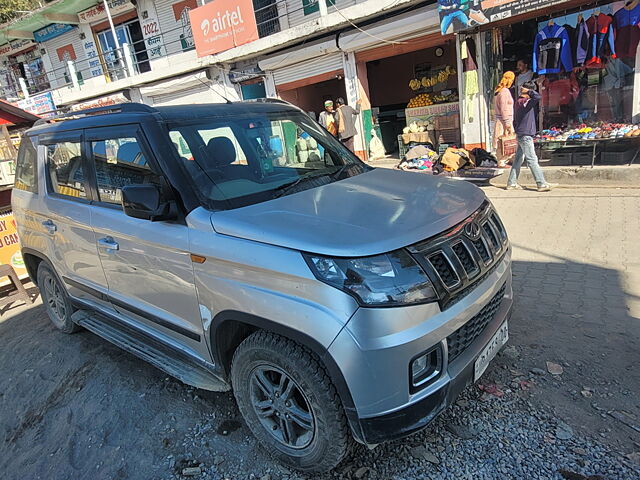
(119, 162)
(26, 168)
(64, 161)
(249, 158)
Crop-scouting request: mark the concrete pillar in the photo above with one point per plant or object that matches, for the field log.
(353, 88)
(474, 115)
(23, 87)
(73, 74)
(270, 85)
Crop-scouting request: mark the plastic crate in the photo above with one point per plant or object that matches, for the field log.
(619, 155)
(583, 158)
(560, 158)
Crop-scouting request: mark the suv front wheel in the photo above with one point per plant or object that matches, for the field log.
(289, 402)
(55, 299)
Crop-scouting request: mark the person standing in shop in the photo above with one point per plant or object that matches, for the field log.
(524, 122)
(503, 103)
(346, 120)
(524, 74)
(327, 118)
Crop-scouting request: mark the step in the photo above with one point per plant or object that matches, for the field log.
(176, 363)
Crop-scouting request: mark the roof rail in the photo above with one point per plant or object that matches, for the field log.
(269, 100)
(129, 107)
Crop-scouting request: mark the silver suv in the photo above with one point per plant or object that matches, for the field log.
(240, 246)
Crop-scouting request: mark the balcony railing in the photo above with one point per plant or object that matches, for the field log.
(127, 60)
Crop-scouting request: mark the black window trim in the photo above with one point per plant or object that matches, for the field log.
(61, 137)
(110, 132)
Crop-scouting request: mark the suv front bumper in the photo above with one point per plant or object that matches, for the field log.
(374, 352)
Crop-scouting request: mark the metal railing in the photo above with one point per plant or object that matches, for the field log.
(127, 60)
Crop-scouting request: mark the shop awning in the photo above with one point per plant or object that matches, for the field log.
(57, 11)
(10, 115)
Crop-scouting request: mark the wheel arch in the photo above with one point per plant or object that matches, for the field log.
(32, 259)
(229, 328)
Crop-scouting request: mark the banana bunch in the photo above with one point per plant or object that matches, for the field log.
(441, 77)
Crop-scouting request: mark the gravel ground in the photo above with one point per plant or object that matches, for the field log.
(77, 407)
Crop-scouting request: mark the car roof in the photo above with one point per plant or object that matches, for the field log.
(126, 113)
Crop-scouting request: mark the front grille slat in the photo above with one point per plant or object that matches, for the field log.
(444, 269)
(460, 258)
(460, 340)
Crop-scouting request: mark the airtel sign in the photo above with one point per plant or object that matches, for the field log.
(223, 24)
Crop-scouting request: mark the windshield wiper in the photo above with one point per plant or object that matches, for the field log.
(287, 187)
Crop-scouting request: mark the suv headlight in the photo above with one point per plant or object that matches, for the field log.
(383, 280)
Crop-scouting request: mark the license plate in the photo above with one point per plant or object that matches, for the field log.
(495, 344)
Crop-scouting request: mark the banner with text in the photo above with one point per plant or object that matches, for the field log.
(459, 15)
(223, 24)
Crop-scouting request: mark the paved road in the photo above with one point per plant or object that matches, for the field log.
(77, 407)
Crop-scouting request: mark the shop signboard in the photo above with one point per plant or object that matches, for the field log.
(91, 52)
(41, 105)
(223, 24)
(51, 31)
(460, 15)
(15, 47)
(98, 12)
(425, 113)
(10, 245)
(109, 100)
(151, 33)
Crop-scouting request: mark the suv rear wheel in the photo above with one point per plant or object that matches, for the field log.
(55, 299)
(289, 402)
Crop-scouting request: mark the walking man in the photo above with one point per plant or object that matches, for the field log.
(346, 117)
(524, 122)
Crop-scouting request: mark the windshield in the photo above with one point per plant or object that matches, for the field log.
(240, 160)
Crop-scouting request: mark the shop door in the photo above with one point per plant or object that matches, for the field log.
(253, 90)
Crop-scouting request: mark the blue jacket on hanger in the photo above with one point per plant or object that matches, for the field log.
(552, 50)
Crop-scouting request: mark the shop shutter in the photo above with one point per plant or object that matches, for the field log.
(308, 68)
(199, 94)
(72, 37)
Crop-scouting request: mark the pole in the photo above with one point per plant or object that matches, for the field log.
(113, 32)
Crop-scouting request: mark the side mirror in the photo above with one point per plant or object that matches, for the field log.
(146, 202)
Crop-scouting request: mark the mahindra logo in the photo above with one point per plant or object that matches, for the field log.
(472, 230)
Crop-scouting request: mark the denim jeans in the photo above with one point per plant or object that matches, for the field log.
(526, 151)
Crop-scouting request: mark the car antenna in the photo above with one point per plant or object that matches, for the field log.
(211, 88)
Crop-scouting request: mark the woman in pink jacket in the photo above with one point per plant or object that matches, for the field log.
(503, 102)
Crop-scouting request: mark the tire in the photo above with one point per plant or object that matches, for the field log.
(55, 299)
(259, 371)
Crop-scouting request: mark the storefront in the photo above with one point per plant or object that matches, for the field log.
(308, 76)
(21, 59)
(582, 61)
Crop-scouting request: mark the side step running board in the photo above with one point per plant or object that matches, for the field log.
(174, 362)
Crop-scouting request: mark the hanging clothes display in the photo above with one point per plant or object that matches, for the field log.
(470, 75)
(602, 33)
(552, 50)
(582, 42)
(627, 36)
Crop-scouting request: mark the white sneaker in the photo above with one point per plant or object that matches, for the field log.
(516, 186)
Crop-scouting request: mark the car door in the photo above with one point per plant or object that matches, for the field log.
(64, 218)
(147, 264)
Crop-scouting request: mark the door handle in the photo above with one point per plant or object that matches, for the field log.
(50, 226)
(108, 243)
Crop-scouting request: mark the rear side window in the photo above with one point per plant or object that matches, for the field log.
(119, 162)
(27, 166)
(64, 161)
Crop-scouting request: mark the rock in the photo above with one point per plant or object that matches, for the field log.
(421, 453)
(538, 371)
(218, 459)
(265, 477)
(461, 431)
(579, 451)
(586, 393)
(511, 352)
(361, 472)
(462, 403)
(191, 471)
(563, 431)
(554, 368)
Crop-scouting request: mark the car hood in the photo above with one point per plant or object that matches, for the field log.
(368, 214)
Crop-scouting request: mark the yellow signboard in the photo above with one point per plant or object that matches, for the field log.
(10, 245)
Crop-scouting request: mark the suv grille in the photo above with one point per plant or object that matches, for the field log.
(463, 256)
(459, 340)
